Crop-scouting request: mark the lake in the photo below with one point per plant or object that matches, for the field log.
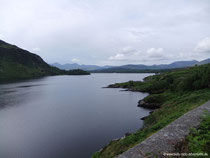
(66, 116)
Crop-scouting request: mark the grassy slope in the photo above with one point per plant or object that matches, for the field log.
(175, 92)
(198, 141)
(16, 63)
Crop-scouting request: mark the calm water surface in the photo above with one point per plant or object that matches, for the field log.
(66, 116)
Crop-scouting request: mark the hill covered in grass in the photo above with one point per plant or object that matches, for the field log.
(172, 94)
(188, 79)
(17, 63)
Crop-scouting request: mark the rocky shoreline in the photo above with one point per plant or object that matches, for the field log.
(141, 103)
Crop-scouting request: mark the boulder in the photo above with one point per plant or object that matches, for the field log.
(127, 134)
(143, 118)
(144, 104)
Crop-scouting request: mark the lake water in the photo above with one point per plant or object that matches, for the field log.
(66, 116)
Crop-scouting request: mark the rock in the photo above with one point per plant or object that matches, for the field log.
(143, 104)
(117, 139)
(125, 86)
(151, 112)
(127, 134)
(143, 118)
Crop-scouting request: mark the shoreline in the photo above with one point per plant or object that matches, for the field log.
(141, 103)
(171, 95)
(166, 140)
(142, 118)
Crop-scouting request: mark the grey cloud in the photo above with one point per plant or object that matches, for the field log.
(68, 29)
(151, 54)
(203, 46)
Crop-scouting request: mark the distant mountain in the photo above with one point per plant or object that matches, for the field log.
(206, 61)
(131, 67)
(78, 66)
(154, 68)
(178, 64)
(17, 63)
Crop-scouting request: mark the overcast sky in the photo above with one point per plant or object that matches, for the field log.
(108, 32)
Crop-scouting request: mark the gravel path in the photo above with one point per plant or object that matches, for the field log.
(164, 140)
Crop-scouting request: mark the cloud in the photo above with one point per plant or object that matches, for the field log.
(128, 50)
(125, 54)
(156, 53)
(36, 49)
(130, 54)
(203, 46)
(119, 56)
(1, 36)
(65, 29)
(75, 60)
(141, 33)
(154, 50)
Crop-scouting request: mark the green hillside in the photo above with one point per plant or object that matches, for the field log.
(188, 79)
(16, 63)
(172, 94)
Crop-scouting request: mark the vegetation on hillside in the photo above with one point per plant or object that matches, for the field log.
(16, 63)
(174, 92)
(188, 79)
(198, 141)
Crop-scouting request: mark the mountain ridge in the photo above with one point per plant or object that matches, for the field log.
(132, 67)
(70, 66)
